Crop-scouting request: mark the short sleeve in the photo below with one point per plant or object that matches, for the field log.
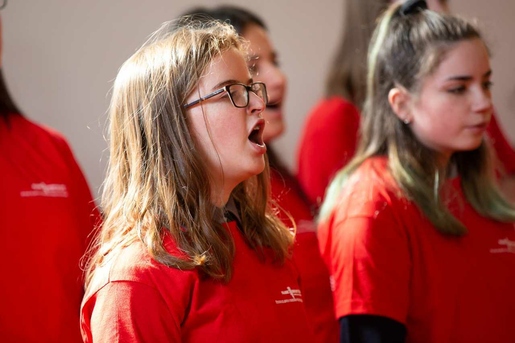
(128, 311)
(370, 262)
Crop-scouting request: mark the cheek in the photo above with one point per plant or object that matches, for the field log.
(272, 76)
(274, 126)
(435, 111)
(227, 130)
(439, 119)
(200, 136)
(203, 132)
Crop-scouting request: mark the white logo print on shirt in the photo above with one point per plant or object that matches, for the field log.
(293, 295)
(507, 246)
(51, 190)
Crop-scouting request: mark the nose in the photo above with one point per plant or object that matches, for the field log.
(256, 104)
(274, 77)
(483, 101)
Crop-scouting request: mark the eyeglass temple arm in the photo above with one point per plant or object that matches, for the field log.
(193, 103)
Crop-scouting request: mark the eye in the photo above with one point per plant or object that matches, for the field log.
(487, 85)
(457, 90)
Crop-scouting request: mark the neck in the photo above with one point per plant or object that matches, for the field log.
(220, 195)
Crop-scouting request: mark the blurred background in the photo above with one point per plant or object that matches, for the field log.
(60, 59)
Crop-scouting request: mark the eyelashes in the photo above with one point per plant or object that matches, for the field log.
(487, 86)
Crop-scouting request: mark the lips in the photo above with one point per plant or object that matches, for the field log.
(479, 126)
(256, 134)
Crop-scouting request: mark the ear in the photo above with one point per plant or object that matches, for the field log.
(399, 99)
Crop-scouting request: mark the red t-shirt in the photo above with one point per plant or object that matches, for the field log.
(387, 259)
(313, 273)
(133, 298)
(45, 216)
(327, 143)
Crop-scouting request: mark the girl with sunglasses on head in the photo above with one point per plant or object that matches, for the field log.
(189, 250)
(292, 205)
(419, 240)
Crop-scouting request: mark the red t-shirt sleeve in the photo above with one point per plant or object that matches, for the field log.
(128, 311)
(503, 149)
(328, 142)
(370, 262)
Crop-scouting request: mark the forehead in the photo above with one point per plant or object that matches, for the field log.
(259, 42)
(228, 66)
(466, 58)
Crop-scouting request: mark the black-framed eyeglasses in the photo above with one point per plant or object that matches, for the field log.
(3, 3)
(238, 93)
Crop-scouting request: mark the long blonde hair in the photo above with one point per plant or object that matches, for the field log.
(404, 50)
(156, 182)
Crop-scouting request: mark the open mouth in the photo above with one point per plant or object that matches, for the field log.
(256, 135)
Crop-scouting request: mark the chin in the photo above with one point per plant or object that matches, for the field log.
(255, 169)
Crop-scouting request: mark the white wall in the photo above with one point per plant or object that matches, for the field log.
(60, 58)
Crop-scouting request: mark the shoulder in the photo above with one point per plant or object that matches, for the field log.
(134, 264)
(371, 183)
(35, 131)
(371, 196)
(330, 118)
(132, 295)
(334, 107)
(38, 136)
(369, 211)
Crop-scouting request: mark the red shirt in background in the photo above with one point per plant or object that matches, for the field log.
(313, 273)
(46, 215)
(327, 143)
(503, 149)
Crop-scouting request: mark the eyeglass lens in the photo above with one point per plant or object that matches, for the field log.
(240, 93)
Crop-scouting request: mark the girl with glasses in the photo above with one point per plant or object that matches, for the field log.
(292, 205)
(419, 240)
(189, 250)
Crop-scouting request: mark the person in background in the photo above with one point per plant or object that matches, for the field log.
(46, 215)
(293, 207)
(189, 250)
(330, 133)
(504, 158)
(419, 240)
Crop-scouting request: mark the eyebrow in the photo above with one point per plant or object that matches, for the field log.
(229, 82)
(255, 57)
(467, 78)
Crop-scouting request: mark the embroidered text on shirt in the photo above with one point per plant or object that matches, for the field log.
(52, 190)
(507, 246)
(294, 295)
